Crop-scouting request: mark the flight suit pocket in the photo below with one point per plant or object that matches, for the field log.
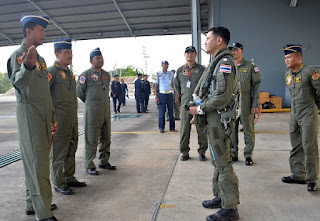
(221, 84)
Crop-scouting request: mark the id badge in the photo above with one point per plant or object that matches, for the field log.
(188, 84)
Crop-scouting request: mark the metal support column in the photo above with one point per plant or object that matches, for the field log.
(213, 13)
(196, 28)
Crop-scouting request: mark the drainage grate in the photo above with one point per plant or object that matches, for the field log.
(14, 156)
(10, 158)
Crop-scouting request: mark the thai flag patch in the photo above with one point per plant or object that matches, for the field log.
(256, 69)
(225, 68)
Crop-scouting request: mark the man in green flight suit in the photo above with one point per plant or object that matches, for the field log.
(35, 116)
(185, 82)
(249, 77)
(93, 90)
(304, 85)
(64, 96)
(217, 97)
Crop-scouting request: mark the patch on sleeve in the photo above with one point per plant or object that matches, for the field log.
(289, 79)
(225, 68)
(256, 69)
(82, 79)
(49, 77)
(315, 75)
(19, 60)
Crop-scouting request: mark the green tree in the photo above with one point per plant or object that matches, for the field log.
(125, 72)
(5, 83)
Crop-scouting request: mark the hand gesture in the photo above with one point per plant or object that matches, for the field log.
(29, 59)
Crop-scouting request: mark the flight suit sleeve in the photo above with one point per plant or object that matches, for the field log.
(177, 84)
(255, 82)
(223, 88)
(315, 82)
(17, 72)
(81, 87)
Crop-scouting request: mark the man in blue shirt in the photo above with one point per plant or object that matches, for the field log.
(146, 91)
(116, 93)
(124, 90)
(164, 95)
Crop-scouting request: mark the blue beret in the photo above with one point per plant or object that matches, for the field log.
(164, 62)
(38, 19)
(288, 49)
(64, 43)
(95, 52)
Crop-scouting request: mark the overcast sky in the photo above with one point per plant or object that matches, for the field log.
(120, 52)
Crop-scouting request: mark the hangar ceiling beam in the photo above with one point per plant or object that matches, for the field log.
(51, 19)
(7, 37)
(124, 18)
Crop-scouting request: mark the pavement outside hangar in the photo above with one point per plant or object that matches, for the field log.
(151, 183)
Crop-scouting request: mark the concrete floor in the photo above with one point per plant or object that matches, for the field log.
(151, 183)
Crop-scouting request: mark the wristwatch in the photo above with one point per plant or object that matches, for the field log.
(200, 111)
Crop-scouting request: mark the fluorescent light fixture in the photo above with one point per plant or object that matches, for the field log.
(293, 3)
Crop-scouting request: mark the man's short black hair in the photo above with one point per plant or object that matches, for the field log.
(222, 32)
(29, 25)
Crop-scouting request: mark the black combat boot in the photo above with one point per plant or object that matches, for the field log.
(212, 204)
(224, 215)
(312, 186)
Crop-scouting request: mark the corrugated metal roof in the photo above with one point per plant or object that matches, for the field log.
(94, 19)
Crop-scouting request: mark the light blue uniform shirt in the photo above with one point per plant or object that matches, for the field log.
(164, 81)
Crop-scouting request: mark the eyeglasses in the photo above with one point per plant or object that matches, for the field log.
(235, 49)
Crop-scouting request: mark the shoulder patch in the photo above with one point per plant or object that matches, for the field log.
(49, 77)
(82, 79)
(315, 75)
(63, 75)
(19, 60)
(94, 77)
(256, 69)
(225, 68)
(289, 79)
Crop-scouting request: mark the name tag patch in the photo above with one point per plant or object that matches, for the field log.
(297, 80)
(244, 70)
